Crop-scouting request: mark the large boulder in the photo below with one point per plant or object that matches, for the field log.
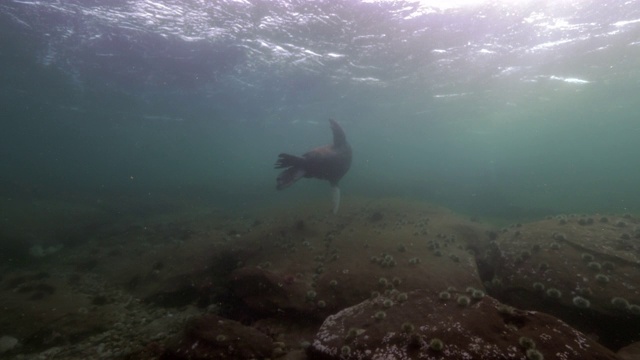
(581, 269)
(315, 265)
(459, 326)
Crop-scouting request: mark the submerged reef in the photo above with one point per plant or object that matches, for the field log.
(383, 279)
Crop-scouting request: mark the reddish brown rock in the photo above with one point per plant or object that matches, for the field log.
(484, 329)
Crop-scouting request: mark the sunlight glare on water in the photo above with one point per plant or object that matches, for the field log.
(450, 4)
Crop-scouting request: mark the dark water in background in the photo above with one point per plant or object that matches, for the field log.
(499, 110)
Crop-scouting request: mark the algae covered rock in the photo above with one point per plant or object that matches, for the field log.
(317, 265)
(427, 326)
(580, 269)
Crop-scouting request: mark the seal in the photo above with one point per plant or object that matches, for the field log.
(330, 162)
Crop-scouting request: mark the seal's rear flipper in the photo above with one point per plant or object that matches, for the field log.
(335, 198)
(288, 177)
(295, 171)
(286, 160)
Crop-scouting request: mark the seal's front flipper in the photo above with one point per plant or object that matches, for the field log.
(335, 198)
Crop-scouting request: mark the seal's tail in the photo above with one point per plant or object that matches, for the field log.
(294, 171)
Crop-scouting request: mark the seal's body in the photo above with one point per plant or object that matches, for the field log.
(330, 162)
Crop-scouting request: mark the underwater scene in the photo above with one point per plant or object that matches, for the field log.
(319, 179)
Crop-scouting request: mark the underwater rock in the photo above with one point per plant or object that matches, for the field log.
(578, 273)
(630, 352)
(266, 292)
(7, 343)
(214, 337)
(425, 326)
(38, 251)
(173, 275)
(331, 268)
